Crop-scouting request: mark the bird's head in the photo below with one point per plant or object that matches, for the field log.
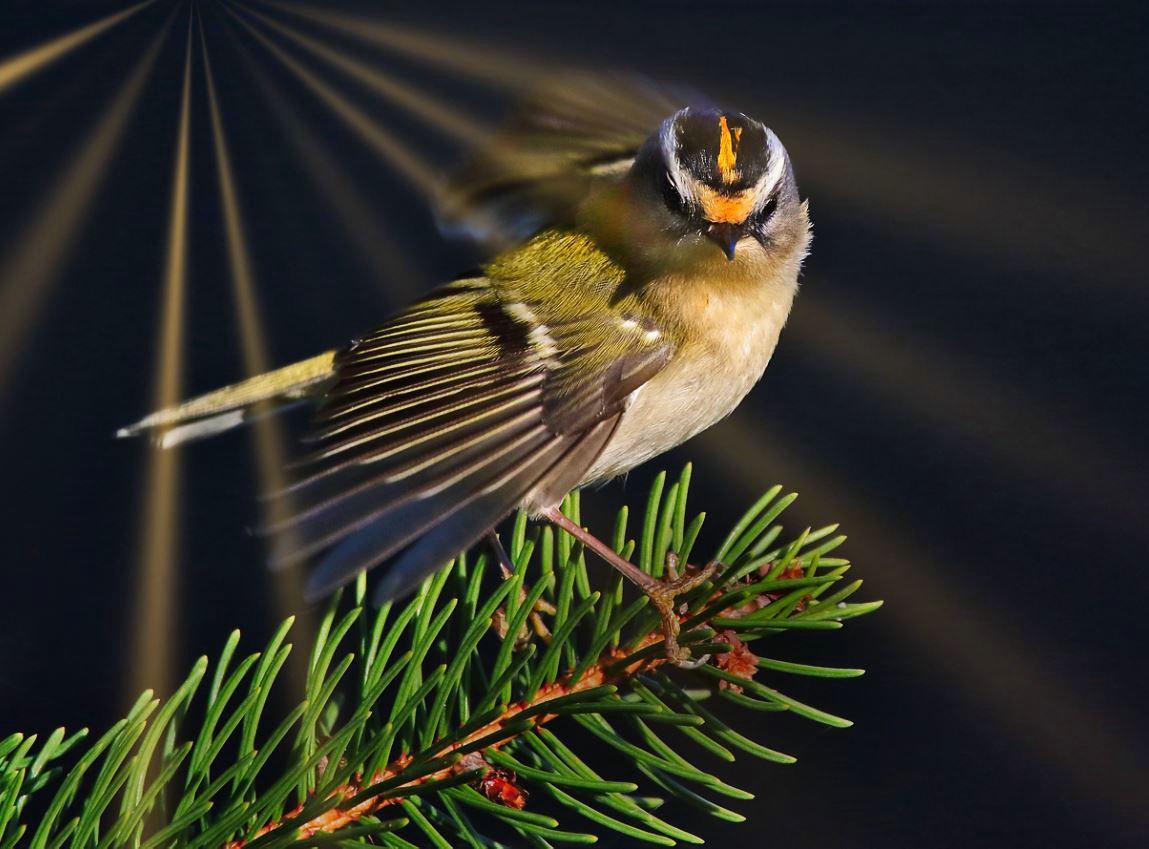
(718, 175)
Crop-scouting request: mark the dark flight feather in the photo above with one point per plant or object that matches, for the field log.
(442, 421)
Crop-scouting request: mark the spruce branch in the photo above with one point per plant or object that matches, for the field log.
(448, 716)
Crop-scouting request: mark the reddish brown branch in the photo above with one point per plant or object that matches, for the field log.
(608, 670)
(596, 676)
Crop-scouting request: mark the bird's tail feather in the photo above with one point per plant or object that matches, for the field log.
(234, 405)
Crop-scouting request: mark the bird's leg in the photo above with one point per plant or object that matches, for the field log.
(661, 593)
(507, 568)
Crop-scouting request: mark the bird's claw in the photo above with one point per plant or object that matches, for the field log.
(662, 594)
(499, 619)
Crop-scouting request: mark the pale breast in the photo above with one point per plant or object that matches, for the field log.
(735, 315)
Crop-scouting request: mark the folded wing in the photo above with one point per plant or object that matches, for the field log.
(441, 422)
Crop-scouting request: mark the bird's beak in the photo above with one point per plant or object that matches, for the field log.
(726, 236)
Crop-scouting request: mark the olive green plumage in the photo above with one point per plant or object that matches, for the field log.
(448, 416)
(644, 270)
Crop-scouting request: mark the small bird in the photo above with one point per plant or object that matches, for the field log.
(644, 269)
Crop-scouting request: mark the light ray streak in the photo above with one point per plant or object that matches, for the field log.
(972, 199)
(959, 639)
(491, 65)
(26, 277)
(25, 64)
(155, 615)
(392, 271)
(268, 437)
(1057, 224)
(377, 138)
(437, 114)
(1008, 429)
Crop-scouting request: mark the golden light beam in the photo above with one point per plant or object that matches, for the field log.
(392, 270)
(1054, 235)
(875, 356)
(1041, 220)
(23, 65)
(155, 614)
(994, 667)
(27, 275)
(954, 636)
(268, 437)
(1009, 429)
(972, 199)
(426, 108)
(250, 325)
(377, 138)
(478, 63)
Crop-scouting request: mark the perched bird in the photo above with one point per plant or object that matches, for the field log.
(644, 269)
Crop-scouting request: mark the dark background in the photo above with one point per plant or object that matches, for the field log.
(962, 383)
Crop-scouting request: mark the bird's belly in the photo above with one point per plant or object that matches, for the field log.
(696, 390)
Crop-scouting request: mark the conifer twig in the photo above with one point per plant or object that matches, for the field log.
(613, 667)
(441, 709)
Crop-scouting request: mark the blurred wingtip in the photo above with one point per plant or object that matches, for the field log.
(189, 432)
(394, 586)
(137, 428)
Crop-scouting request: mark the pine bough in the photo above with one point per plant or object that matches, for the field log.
(434, 720)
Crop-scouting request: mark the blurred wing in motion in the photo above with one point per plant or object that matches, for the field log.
(439, 424)
(569, 134)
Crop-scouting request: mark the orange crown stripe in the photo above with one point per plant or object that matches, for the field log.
(728, 150)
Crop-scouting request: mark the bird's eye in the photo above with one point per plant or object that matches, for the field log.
(763, 215)
(672, 197)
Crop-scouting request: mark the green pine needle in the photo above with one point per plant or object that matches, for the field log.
(432, 721)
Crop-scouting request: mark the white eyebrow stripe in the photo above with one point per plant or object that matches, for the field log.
(668, 141)
(768, 182)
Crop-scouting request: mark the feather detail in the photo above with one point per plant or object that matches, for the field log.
(451, 520)
(468, 523)
(446, 418)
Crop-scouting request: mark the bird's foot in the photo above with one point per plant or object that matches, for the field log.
(535, 620)
(663, 593)
(499, 620)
